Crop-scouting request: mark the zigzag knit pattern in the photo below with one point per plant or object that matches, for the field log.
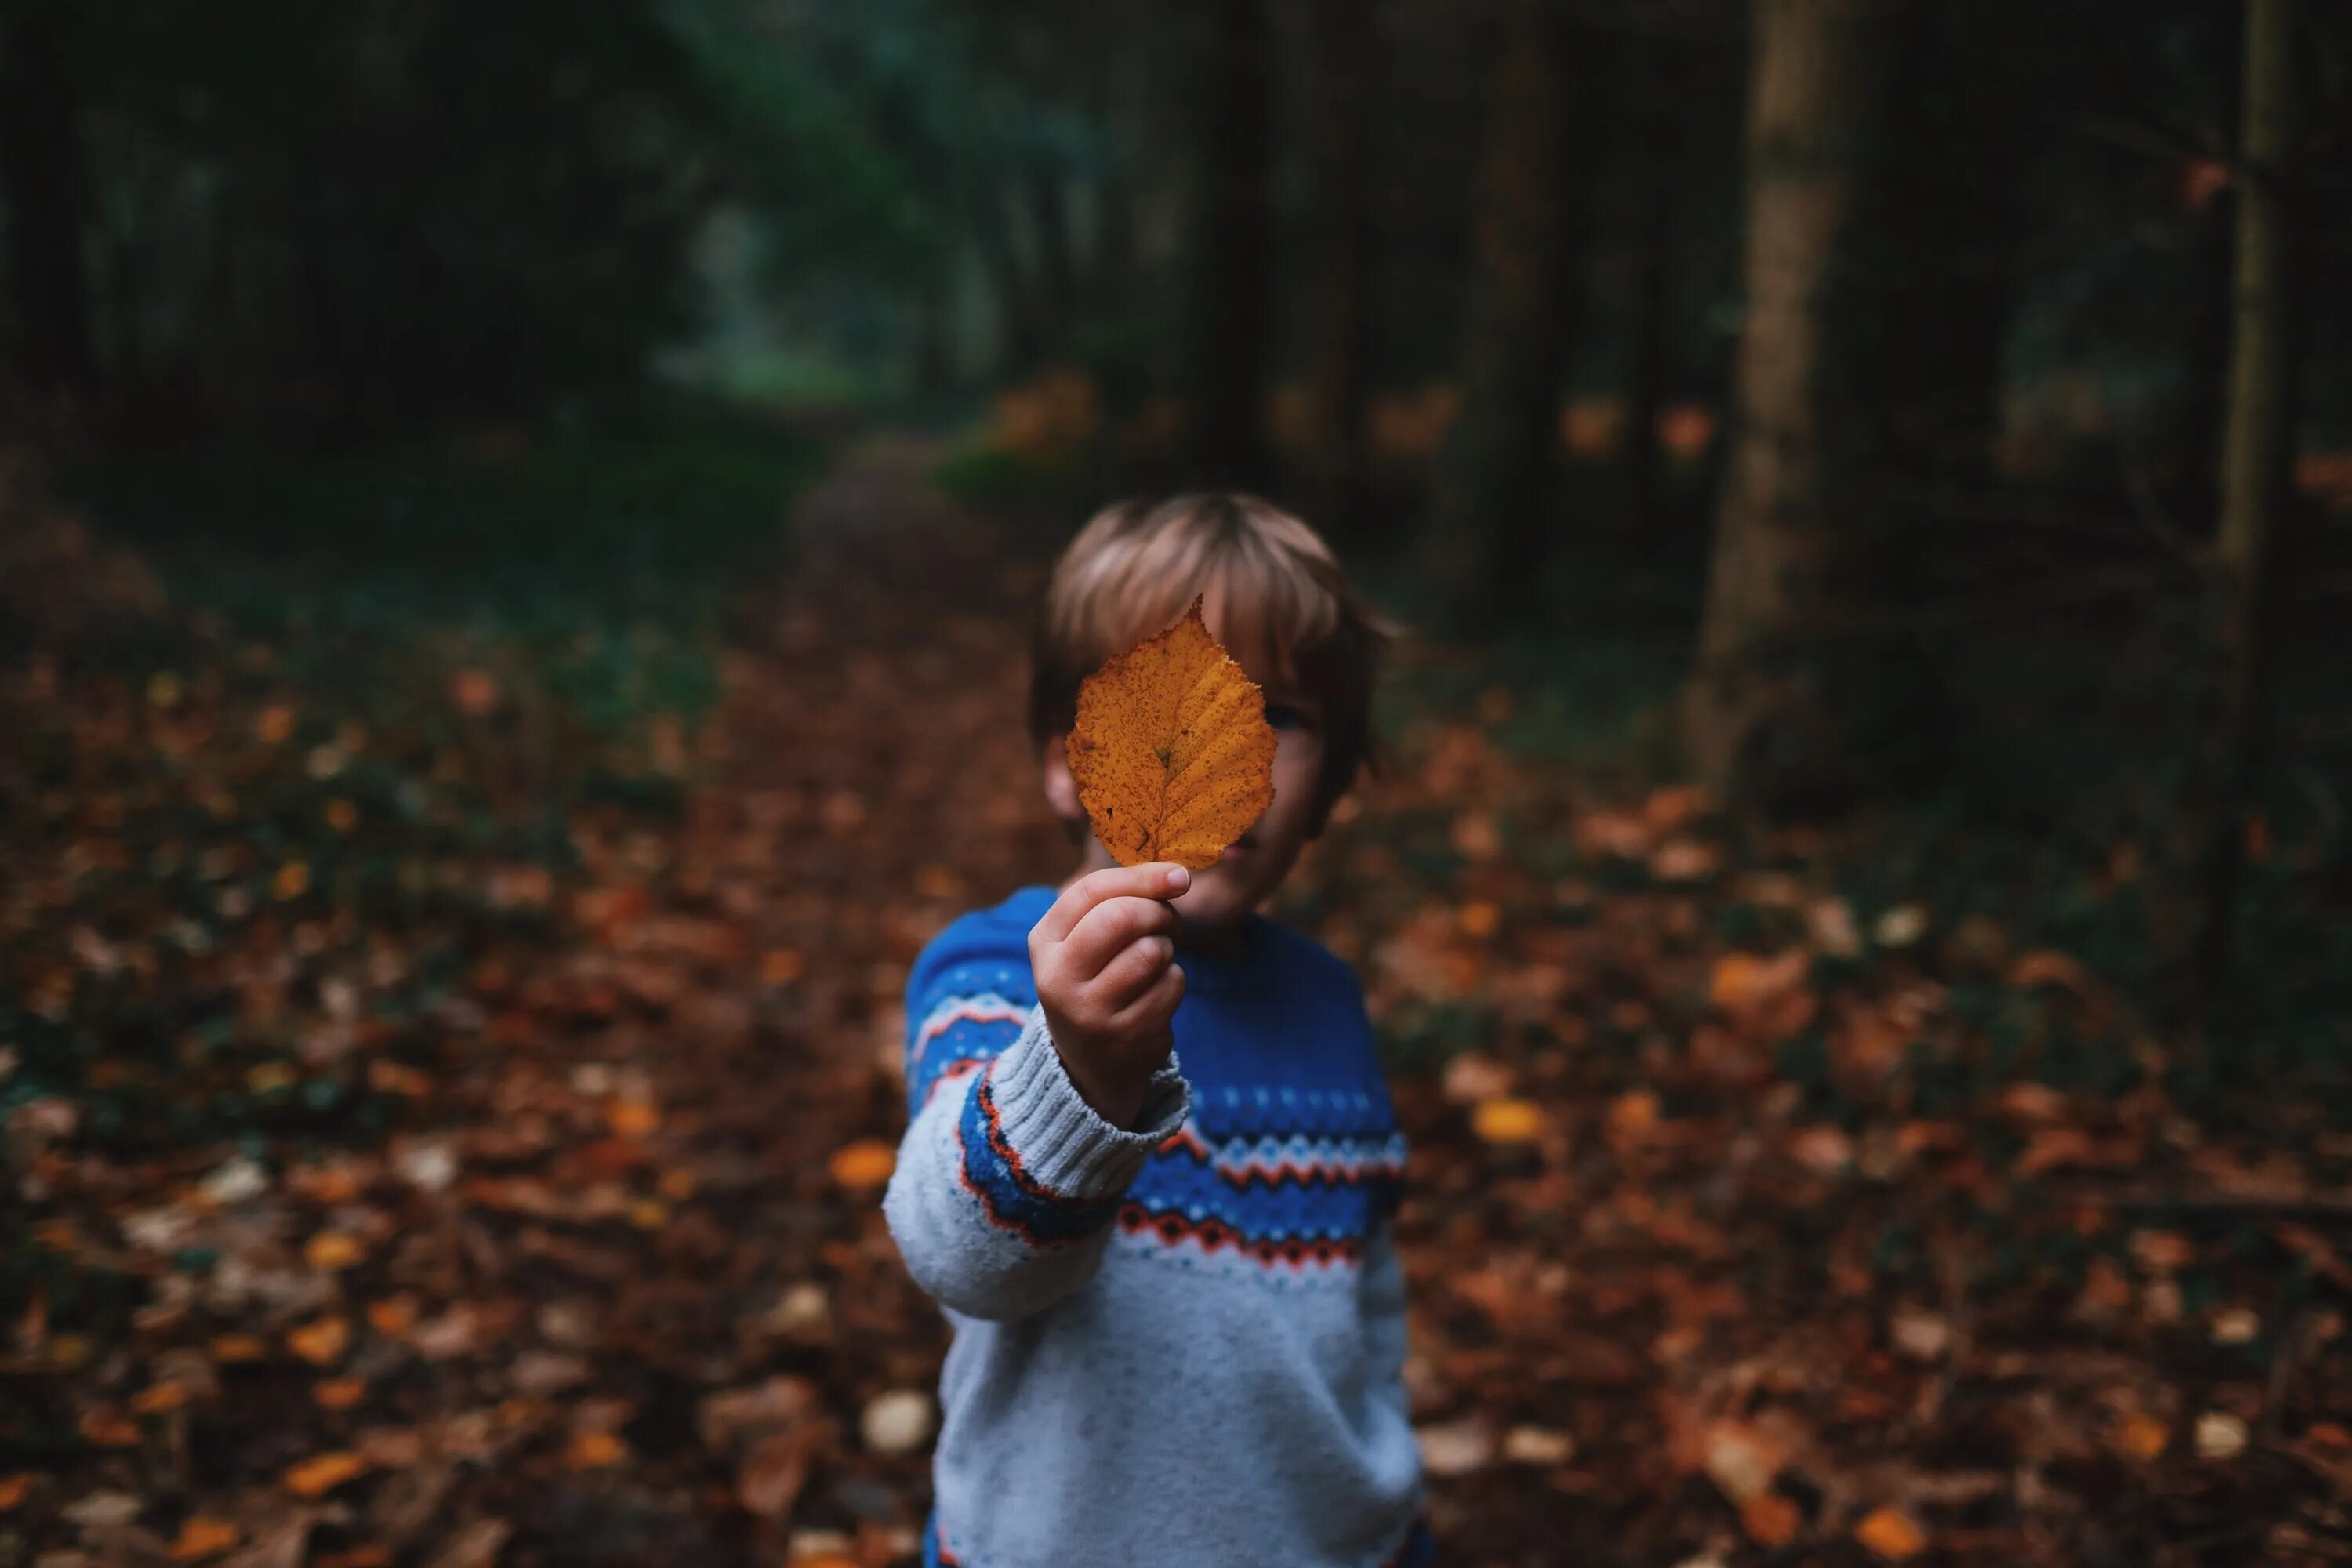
(1288, 1172)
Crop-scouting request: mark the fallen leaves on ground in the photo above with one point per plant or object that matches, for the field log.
(475, 1199)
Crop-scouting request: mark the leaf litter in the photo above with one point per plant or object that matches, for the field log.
(482, 1208)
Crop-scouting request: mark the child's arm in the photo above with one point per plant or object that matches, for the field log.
(1010, 1173)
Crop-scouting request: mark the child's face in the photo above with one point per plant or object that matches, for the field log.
(1252, 867)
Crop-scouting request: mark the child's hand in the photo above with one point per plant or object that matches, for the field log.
(1104, 960)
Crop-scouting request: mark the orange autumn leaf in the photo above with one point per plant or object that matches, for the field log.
(232, 1349)
(105, 1429)
(331, 1251)
(392, 1317)
(594, 1450)
(1171, 752)
(363, 1557)
(339, 1393)
(322, 1474)
(1763, 996)
(202, 1536)
(2142, 1436)
(159, 1398)
(864, 1163)
(1507, 1120)
(631, 1118)
(323, 1342)
(1891, 1534)
(1769, 1519)
(15, 1490)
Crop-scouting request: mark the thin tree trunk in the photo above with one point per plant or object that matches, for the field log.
(1341, 260)
(41, 179)
(1018, 332)
(1057, 260)
(1496, 490)
(2256, 448)
(1789, 542)
(1650, 349)
(934, 325)
(1111, 284)
(1234, 322)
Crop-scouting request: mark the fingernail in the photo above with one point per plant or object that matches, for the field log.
(1178, 878)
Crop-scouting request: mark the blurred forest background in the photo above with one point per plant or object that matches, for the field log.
(516, 531)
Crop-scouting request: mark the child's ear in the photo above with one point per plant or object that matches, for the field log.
(1061, 789)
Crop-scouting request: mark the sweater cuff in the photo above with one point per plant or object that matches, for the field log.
(1058, 1142)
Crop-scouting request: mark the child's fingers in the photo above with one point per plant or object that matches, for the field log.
(1154, 1009)
(1110, 928)
(1154, 879)
(1132, 970)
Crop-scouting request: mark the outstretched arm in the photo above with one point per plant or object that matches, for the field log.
(1012, 1168)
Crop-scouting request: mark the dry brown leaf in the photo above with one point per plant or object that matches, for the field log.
(392, 1317)
(339, 1393)
(107, 1429)
(594, 1450)
(1891, 1534)
(323, 1473)
(2142, 1436)
(15, 1490)
(773, 1471)
(321, 1343)
(1633, 1117)
(331, 1251)
(1769, 1519)
(631, 1118)
(475, 1545)
(159, 1398)
(202, 1536)
(1171, 752)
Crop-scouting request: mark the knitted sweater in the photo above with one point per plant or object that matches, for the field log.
(1180, 1346)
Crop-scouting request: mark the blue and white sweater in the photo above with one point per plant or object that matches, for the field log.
(1177, 1346)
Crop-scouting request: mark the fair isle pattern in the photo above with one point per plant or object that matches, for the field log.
(1285, 1179)
(957, 1032)
(1171, 1236)
(1300, 1159)
(1010, 1197)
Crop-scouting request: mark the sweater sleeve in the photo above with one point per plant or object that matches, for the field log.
(1007, 1180)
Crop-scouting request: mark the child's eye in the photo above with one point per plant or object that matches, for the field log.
(1283, 716)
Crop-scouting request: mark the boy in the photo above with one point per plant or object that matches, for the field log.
(1153, 1160)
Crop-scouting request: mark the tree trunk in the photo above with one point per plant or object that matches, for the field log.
(934, 326)
(1057, 260)
(1788, 557)
(1341, 256)
(1019, 335)
(41, 179)
(1495, 488)
(1232, 324)
(1649, 349)
(2256, 450)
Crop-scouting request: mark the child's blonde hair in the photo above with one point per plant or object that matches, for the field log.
(1134, 568)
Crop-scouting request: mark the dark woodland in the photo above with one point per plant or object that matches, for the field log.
(520, 529)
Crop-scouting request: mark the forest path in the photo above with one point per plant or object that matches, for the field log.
(1728, 1239)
